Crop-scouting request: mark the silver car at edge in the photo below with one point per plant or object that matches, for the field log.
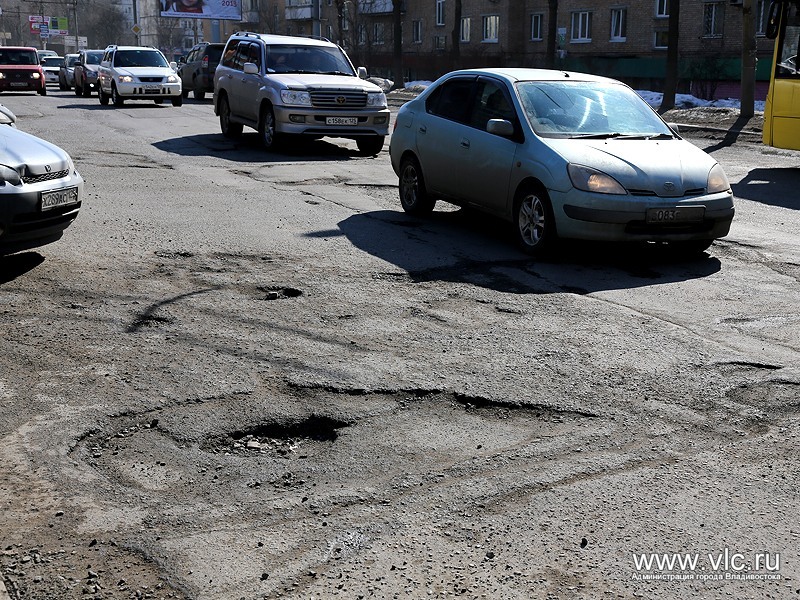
(40, 191)
(559, 155)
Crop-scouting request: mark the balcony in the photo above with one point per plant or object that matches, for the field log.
(299, 10)
(375, 7)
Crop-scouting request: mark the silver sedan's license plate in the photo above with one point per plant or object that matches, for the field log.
(341, 120)
(59, 198)
(152, 88)
(683, 214)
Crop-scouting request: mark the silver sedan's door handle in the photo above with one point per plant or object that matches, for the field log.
(465, 142)
(423, 129)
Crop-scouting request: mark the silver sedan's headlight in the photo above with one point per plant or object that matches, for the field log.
(295, 98)
(9, 175)
(717, 181)
(376, 99)
(125, 79)
(172, 79)
(591, 180)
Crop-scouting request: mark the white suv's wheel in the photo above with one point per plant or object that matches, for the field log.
(115, 97)
(266, 128)
(229, 129)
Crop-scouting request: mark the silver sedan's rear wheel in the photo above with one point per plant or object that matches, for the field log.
(413, 194)
(534, 224)
(229, 129)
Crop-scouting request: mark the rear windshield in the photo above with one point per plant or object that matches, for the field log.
(11, 56)
(94, 58)
(71, 60)
(214, 53)
(53, 61)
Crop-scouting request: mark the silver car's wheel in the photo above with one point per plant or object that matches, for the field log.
(198, 93)
(534, 223)
(102, 96)
(115, 97)
(266, 128)
(230, 130)
(86, 91)
(370, 146)
(413, 194)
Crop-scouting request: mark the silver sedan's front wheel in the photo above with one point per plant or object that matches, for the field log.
(413, 193)
(534, 222)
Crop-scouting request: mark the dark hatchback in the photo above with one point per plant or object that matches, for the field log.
(197, 69)
(20, 70)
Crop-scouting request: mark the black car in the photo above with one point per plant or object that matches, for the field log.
(197, 70)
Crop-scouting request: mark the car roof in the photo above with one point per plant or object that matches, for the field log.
(275, 39)
(20, 48)
(517, 74)
(150, 48)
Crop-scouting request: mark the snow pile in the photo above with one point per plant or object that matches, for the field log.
(689, 101)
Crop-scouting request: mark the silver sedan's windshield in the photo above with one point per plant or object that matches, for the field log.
(582, 109)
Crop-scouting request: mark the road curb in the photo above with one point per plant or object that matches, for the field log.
(695, 127)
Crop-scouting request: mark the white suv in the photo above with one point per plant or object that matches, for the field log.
(137, 73)
(282, 85)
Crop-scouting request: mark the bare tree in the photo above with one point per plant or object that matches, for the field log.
(552, 32)
(455, 51)
(103, 25)
(671, 75)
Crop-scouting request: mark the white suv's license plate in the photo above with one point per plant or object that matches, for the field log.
(152, 88)
(686, 214)
(341, 120)
(59, 198)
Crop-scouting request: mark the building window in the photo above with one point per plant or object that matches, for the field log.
(377, 33)
(329, 32)
(416, 32)
(761, 16)
(440, 42)
(491, 28)
(536, 27)
(361, 34)
(345, 24)
(440, 12)
(661, 39)
(466, 22)
(619, 24)
(712, 19)
(662, 8)
(582, 26)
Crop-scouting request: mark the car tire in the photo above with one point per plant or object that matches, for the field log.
(177, 101)
(198, 94)
(266, 128)
(43, 91)
(184, 92)
(534, 223)
(86, 91)
(370, 146)
(414, 195)
(62, 84)
(229, 129)
(102, 96)
(115, 97)
(78, 90)
(159, 101)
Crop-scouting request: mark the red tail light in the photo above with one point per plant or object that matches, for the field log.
(205, 62)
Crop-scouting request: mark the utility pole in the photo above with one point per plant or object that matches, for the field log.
(748, 82)
(75, 14)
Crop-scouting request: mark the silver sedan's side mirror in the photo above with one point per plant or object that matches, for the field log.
(675, 127)
(500, 127)
(251, 68)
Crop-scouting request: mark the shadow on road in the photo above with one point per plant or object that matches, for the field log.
(15, 265)
(774, 187)
(467, 247)
(247, 148)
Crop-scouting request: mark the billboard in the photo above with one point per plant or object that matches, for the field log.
(230, 10)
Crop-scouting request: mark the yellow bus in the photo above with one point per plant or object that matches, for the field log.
(782, 108)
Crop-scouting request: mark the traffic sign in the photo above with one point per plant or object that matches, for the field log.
(44, 31)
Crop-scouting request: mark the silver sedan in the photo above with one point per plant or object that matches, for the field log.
(559, 155)
(40, 191)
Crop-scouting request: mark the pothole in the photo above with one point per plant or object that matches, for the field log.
(281, 439)
(279, 292)
(772, 397)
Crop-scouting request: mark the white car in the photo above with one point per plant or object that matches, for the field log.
(51, 65)
(137, 73)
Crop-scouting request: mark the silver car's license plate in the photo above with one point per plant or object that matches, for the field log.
(341, 120)
(684, 214)
(59, 198)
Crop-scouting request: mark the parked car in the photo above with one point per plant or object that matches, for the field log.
(85, 72)
(282, 85)
(20, 70)
(137, 73)
(66, 74)
(197, 69)
(40, 191)
(558, 154)
(51, 65)
(7, 117)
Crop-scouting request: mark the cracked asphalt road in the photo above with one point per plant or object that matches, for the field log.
(250, 375)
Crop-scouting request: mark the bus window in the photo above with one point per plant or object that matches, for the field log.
(782, 107)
